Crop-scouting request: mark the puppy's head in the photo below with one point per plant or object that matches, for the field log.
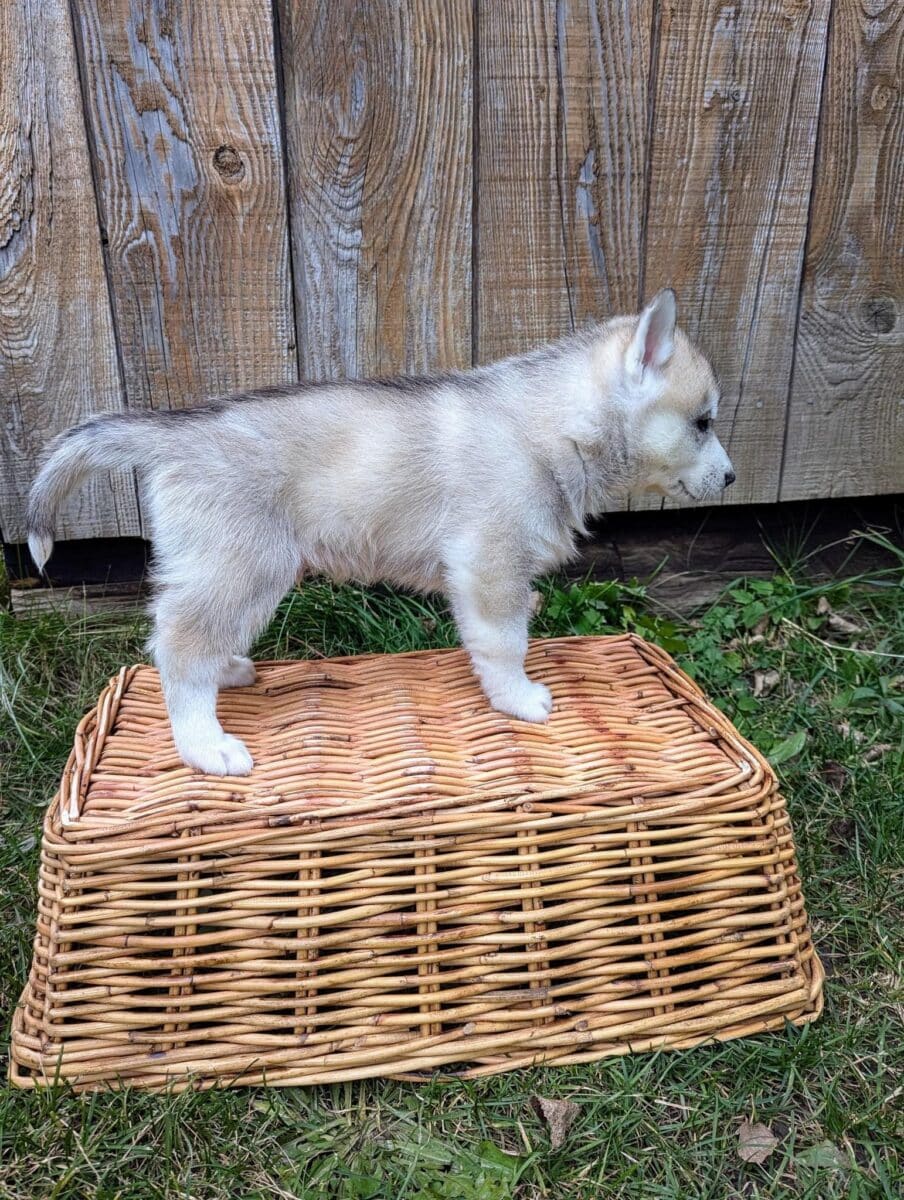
(672, 399)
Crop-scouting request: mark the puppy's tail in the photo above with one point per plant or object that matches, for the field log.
(112, 441)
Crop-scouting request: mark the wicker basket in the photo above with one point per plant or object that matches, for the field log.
(409, 880)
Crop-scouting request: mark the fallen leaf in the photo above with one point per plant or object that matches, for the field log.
(840, 624)
(741, 643)
(760, 628)
(877, 751)
(765, 682)
(844, 728)
(755, 1142)
(559, 1116)
(823, 607)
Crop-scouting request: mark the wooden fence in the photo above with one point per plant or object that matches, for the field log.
(200, 197)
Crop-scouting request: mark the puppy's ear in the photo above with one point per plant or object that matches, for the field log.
(654, 337)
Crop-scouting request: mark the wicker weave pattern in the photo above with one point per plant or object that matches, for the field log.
(409, 879)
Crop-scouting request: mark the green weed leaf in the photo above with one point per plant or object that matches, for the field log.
(789, 748)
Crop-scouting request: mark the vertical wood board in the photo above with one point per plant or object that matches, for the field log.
(561, 166)
(846, 413)
(734, 128)
(379, 122)
(57, 348)
(184, 115)
(603, 77)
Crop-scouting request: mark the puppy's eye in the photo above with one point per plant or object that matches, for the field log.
(703, 424)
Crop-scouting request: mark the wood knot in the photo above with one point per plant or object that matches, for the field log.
(884, 94)
(794, 9)
(228, 162)
(879, 314)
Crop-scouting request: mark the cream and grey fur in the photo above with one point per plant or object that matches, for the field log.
(469, 483)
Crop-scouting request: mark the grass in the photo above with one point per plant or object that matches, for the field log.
(649, 1126)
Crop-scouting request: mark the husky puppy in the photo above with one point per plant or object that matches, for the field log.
(470, 483)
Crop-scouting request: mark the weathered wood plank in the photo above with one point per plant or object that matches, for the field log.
(57, 348)
(561, 166)
(737, 99)
(846, 414)
(379, 116)
(78, 602)
(603, 63)
(183, 110)
(523, 296)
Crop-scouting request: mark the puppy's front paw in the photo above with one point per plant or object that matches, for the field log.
(525, 700)
(225, 755)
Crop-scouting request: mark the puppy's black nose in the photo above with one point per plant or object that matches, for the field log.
(730, 477)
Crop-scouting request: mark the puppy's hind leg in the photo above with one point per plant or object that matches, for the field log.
(198, 626)
(190, 685)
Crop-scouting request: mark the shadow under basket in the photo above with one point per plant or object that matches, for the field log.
(409, 880)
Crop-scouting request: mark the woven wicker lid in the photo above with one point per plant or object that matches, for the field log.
(401, 733)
